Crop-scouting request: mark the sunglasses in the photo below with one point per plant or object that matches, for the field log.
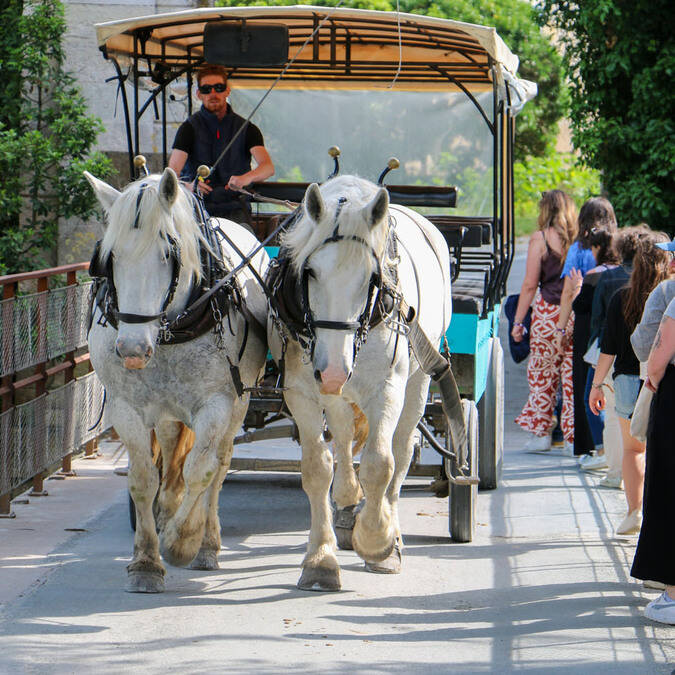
(206, 88)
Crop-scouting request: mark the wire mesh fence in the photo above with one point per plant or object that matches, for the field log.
(40, 433)
(39, 326)
(43, 338)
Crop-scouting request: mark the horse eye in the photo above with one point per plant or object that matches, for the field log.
(311, 273)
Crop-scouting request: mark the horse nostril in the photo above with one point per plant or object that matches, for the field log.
(317, 375)
(117, 351)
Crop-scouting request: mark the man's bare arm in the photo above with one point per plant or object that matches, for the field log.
(263, 170)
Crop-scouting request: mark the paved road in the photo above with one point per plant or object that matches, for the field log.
(544, 588)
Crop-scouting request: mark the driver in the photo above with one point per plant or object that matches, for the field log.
(204, 135)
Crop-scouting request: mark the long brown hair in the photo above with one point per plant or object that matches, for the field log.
(650, 268)
(604, 240)
(558, 211)
(596, 213)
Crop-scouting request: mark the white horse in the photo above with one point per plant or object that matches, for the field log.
(151, 247)
(347, 241)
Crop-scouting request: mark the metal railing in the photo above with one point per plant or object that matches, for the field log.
(49, 397)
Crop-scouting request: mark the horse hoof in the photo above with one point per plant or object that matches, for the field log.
(145, 582)
(205, 560)
(390, 565)
(343, 525)
(320, 578)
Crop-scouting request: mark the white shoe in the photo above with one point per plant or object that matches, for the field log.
(594, 463)
(661, 609)
(538, 443)
(568, 449)
(632, 523)
(612, 482)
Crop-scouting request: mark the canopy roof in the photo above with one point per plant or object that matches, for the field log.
(353, 49)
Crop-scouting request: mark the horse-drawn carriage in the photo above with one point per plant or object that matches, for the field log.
(442, 96)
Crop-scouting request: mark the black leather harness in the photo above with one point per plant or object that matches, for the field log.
(289, 296)
(198, 317)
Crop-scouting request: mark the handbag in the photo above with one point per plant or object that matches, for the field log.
(640, 418)
(519, 350)
(593, 353)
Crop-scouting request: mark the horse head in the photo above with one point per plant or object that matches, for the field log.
(151, 247)
(336, 249)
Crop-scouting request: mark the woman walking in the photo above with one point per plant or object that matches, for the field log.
(588, 428)
(650, 267)
(655, 553)
(550, 360)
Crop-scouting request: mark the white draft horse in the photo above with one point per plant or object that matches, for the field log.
(152, 252)
(347, 243)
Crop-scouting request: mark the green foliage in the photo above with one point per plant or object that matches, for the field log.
(556, 170)
(45, 137)
(620, 58)
(517, 22)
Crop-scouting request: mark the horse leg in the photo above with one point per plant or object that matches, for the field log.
(207, 558)
(182, 536)
(402, 445)
(145, 573)
(346, 492)
(374, 533)
(320, 569)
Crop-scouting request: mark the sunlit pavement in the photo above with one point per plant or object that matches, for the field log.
(544, 587)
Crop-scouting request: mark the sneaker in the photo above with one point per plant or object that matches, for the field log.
(661, 609)
(582, 459)
(632, 523)
(538, 444)
(612, 482)
(594, 463)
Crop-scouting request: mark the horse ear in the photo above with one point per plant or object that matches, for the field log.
(374, 212)
(168, 188)
(106, 194)
(314, 203)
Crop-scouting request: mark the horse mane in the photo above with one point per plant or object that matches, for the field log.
(306, 235)
(154, 222)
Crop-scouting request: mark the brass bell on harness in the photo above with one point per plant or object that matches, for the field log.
(334, 152)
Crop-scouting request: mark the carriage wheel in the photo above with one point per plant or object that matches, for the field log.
(463, 497)
(491, 421)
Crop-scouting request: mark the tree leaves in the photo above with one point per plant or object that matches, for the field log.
(45, 136)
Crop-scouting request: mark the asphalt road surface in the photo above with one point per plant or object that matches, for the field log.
(543, 588)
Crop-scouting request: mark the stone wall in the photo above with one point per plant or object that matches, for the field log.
(86, 62)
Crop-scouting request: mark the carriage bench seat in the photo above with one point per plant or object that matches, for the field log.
(467, 296)
(407, 195)
(478, 230)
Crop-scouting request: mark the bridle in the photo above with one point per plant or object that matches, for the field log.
(104, 271)
(362, 324)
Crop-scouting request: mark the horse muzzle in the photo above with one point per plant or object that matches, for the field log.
(134, 357)
(332, 380)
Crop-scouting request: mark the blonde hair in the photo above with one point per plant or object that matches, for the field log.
(558, 211)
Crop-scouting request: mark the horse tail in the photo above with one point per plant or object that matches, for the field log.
(361, 430)
(184, 443)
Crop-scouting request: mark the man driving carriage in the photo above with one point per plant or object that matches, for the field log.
(202, 138)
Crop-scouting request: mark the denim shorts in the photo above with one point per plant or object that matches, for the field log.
(626, 390)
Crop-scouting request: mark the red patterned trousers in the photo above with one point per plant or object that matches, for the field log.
(545, 369)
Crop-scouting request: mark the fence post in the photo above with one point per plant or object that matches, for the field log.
(41, 385)
(7, 398)
(69, 374)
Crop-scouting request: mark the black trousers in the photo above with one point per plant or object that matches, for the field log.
(583, 438)
(655, 554)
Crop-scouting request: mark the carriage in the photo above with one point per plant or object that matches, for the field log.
(438, 94)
